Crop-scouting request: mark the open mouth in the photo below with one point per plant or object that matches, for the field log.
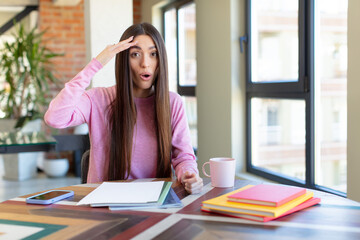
(145, 76)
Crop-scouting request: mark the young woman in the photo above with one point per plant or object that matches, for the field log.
(137, 128)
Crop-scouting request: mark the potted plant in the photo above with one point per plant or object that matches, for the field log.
(26, 71)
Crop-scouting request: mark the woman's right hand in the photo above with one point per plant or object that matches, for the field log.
(111, 50)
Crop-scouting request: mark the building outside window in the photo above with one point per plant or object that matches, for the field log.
(296, 92)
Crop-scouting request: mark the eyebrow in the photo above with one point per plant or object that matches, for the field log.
(137, 47)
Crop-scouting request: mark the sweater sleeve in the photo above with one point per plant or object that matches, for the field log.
(183, 157)
(72, 106)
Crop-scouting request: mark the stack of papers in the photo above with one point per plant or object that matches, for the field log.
(132, 195)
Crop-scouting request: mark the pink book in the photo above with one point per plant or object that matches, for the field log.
(306, 204)
(267, 195)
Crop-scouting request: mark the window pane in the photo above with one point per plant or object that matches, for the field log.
(274, 41)
(278, 135)
(187, 45)
(331, 93)
(171, 47)
(191, 113)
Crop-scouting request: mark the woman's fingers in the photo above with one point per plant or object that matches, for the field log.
(110, 51)
(123, 45)
(194, 185)
(192, 182)
(194, 189)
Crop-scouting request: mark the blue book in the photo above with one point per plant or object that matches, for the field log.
(172, 200)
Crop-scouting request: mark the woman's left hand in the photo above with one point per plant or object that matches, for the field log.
(192, 182)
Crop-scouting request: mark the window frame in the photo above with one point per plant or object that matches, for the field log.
(303, 90)
(188, 90)
(18, 17)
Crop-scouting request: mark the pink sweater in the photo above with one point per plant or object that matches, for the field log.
(74, 106)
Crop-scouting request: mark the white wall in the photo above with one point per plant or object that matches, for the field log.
(105, 22)
(219, 89)
(353, 88)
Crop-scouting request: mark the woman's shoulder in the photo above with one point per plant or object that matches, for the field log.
(174, 97)
(176, 101)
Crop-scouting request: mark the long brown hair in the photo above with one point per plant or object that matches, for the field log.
(122, 111)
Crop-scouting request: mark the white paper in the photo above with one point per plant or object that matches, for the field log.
(124, 192)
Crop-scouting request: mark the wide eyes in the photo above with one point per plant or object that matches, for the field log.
(138, 54)
(135, 54)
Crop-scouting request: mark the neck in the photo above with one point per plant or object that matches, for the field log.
(144, 93)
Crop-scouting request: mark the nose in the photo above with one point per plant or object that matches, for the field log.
(145, 61)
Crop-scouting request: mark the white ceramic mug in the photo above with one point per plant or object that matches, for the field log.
(222, 171)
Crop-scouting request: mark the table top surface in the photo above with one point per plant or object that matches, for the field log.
(20, 139)
(334, 218)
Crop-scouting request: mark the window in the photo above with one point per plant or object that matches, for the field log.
(296, 92)
(180, 41)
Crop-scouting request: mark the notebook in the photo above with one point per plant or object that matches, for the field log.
(125, 193)
(267, 194)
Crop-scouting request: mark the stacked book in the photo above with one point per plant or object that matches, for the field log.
(263, 202)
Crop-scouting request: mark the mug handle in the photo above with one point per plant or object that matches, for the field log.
(203, 169)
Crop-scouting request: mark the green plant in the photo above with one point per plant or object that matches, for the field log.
(27, 70)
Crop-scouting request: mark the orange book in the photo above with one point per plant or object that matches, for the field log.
(267, 194)
(222, 203)
(306, 204)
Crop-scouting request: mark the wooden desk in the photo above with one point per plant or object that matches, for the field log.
(334, 218)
